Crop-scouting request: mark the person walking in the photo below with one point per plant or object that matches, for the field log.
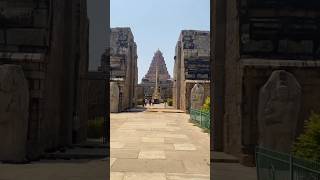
(165, 103)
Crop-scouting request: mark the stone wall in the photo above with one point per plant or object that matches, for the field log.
(123, 64)
(97, 95)
(253, 50)
(49, 39)
(192, 63)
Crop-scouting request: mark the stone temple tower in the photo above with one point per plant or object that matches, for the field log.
(157, 61)
(157, 81)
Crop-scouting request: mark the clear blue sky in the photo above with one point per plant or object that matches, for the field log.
(157, 24)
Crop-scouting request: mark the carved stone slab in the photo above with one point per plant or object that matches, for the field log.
(278, 111)
(197, 96)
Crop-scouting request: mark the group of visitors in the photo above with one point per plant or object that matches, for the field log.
(148, 101)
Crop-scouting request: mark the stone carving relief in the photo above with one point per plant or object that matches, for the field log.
(114, 97)
(14, 108)
(278, 111)
(122, 40)
(197, 96)
(188, 42)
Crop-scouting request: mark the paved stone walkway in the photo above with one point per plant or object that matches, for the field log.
(158, 145)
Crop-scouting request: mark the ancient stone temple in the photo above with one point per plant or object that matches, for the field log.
(123, 66)
(157, 77)
(192, 66)
(266, 69)
(48, 40)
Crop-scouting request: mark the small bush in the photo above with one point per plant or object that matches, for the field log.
(307, 145)
(170, 102)
(95, 128)
(206, 106)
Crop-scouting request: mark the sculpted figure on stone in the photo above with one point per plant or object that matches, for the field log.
(278, 111)
(197, 96)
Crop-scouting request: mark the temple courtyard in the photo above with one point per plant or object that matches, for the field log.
(158, 144)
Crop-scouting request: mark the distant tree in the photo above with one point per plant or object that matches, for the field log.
(307, 145)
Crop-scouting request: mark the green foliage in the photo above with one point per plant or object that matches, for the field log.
(95, 128)
(206, 106)
(170, 102)
(307, 145)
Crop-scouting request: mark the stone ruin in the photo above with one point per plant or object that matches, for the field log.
(278, 111)
(123, 65)
(197, 96)
(14, 111)
(192, 65)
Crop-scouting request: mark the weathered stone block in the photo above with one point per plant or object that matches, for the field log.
(278, 111)
(31, 37)
(289, 46)
(14, 107)
(40, 18)
(257, 46)
(114, 97)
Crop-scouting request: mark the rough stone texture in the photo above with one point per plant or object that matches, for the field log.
(191, 64)
(188, 85)
(278, 111)
(197, 96)
(123, 65)
(57, 76)
(14, 106)
(247, 68)
(114, 97)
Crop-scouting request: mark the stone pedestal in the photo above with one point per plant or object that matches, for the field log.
(278, 111)
(14, 109)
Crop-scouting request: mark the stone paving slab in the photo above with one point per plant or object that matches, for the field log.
(152, 155)
(159, 142)
(152, 140)
(184, 147)
(180, 176)
(143, 165)
(116, 176)
(145, 176)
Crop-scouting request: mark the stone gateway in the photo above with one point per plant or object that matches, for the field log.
(278, 111)
(14, 109)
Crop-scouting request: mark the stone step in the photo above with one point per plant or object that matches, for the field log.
(221, 157)
(81, 151)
